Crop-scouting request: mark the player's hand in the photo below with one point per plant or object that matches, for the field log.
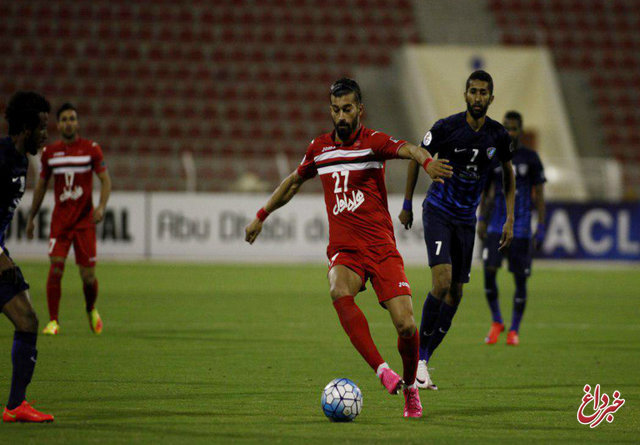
(252, 231)
(406, 218)
(482, 229)
(98, 214)
(507, 234)
(30, 228)
(439, 169)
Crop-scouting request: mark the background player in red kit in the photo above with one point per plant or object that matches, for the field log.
(350, 162)
(72, 162)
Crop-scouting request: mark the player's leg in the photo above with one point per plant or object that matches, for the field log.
(448, 280)
(401, 311)
(437, 236)
(58, 250)
(520, 266)
(448, 310)
(84, 246)
(462, 240)
(386, 268)
(492, 259)
(344, 285)
(16, 305)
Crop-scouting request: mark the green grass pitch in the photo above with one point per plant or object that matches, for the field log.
(240, 354)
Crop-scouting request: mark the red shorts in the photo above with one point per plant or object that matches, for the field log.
(84, 246)
(382, 265)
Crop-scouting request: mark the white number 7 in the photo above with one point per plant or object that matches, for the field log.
(438, 247)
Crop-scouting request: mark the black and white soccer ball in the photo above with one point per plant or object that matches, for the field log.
(341, 400)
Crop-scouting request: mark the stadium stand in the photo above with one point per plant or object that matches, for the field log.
(222, 79)
(600, 38)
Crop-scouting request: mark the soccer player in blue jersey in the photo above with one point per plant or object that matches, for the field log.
(470, 141)
(27, 115)
(530, 181)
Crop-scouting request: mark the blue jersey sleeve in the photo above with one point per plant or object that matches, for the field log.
(434, 138)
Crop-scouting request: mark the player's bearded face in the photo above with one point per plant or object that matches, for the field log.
(478, 98)
(68, 124)
(38, 136)
(345, 112)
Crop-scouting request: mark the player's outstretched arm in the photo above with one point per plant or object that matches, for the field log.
(509, 184)
(406, 214)
(280, 196)
(105, 191)
(38, 196)
(437, 169)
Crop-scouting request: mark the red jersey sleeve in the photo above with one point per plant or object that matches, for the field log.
(97, 158)
(384, 146)
(45, 171)
(307, 168)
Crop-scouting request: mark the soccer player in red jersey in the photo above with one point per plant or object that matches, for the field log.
(72, 162)
(350, 162)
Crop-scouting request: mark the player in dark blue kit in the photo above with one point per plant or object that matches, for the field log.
(27, 115)
(530, 181)
(470, 141)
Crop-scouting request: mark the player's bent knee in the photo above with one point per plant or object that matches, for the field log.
(455, 294)
(338, 292)
(440, 289)
(406, 328)
(28, 322)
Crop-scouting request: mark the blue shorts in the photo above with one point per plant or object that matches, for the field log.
(8, 290)
(519, 254)
(449, 241)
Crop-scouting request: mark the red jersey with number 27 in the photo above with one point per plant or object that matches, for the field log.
(72, 166)
(355, 193)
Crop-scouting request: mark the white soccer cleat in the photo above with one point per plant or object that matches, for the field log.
(422, 377)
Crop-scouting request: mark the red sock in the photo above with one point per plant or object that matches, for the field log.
(355, 325)
(408, 348)
(90, 294)
(54, 289)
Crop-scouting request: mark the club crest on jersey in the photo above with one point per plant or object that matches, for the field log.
(427, 139)
(490, 152)
(523, 169)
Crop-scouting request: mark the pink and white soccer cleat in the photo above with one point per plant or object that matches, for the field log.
(412, 405)
(391, 380)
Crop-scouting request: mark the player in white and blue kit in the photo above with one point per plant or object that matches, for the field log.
(470, 141)
(530, 181)
(27, 115)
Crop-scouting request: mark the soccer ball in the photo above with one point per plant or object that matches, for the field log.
(341, 400)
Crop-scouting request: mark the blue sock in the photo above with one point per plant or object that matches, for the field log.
(430, 311)
(491, 291)
(23, 356)
(519, 302)
(442, 327)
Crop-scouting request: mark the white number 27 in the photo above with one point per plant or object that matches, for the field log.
(336, 176)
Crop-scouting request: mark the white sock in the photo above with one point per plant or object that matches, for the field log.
(380, 368)
(414, 386)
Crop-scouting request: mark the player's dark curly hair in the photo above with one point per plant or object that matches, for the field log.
(345, 86)
(515, 116)
(23, 111)
(64, 107)
(483, 76)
